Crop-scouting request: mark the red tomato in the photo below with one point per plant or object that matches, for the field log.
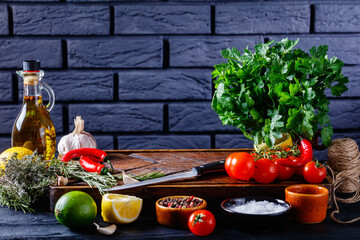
(202, 222)
(240, 165)
(284, 173)
(265, 171)
(314, 172)
(299, 171)
(228, 165)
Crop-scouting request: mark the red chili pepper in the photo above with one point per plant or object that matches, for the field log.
(91, 166)
(306, 154)
(93, 152)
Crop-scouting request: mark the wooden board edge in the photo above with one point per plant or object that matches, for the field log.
(178, 150)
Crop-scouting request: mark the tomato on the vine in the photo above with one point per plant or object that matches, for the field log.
(284, 173)
(265, 171)
(314, 172)
(240, 165)
(254, 155)
(228, 165)
(299, 171)
(202, 222)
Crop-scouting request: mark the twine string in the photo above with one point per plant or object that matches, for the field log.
(344, 166)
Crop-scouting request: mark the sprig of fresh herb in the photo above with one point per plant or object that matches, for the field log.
(101, 182)
(277, 89)
(142, 177)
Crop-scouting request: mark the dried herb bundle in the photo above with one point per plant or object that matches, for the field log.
(25, 180)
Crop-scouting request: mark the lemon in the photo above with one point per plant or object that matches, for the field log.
(284, 142)
(21, 151)
(118, 208)
(75, 209)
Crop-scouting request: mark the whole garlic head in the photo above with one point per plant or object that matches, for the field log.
(77, 139)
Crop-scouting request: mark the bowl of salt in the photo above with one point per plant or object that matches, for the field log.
(250, 210)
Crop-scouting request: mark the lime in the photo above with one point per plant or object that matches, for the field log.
(75, 209)
(21, 151)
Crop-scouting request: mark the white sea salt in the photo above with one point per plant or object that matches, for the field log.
(258, 207)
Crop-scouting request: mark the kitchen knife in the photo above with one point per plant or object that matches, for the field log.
(194, 172)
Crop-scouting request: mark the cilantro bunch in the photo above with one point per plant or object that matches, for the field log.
(277, 89)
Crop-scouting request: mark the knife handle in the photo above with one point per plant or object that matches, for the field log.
(210, 167)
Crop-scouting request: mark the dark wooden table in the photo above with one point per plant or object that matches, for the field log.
(43, 225)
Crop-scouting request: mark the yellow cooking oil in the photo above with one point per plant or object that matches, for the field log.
(33, 127)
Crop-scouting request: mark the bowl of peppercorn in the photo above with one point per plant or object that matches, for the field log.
(174, 211)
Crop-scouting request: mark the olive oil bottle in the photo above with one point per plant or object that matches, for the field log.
(33, 128)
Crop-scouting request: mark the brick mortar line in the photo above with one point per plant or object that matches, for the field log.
(138, 102)
(207, 133)
(160, 36)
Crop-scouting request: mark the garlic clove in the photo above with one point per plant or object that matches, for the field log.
(109, 230)
(62, 181)
(127, 179)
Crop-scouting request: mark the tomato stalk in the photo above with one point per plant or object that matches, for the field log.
(198, 218)
(318, 164)
(306, 154)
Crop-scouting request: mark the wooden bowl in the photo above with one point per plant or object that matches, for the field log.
(176, 217)
(308, 202)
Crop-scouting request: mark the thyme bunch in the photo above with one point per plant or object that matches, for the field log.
(24, 181)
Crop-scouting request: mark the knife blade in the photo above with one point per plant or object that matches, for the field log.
(194, 172)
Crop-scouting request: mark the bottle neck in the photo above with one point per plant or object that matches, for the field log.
(32, 89)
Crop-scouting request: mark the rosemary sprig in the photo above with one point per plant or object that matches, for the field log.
(101, 182)
(142, 177)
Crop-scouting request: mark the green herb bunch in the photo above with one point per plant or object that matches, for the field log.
(24, 181)
(277, 89)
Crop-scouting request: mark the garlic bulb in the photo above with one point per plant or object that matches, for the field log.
(77, 139)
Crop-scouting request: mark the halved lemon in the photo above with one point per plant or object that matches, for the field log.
(5, 155)
(118, 208)
(284, 142)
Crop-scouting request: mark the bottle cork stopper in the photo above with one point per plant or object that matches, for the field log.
(31, 80)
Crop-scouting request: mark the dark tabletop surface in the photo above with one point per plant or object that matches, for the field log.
(43, 224)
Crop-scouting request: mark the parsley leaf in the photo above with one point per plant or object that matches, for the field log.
(277, 89)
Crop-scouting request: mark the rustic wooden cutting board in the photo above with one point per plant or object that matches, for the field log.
(213, 186)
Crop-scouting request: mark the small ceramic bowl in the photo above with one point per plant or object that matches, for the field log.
(176, 217)
(254, 218)
(309, 202)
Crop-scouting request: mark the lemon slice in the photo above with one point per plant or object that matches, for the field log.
(284, 142)
(118, 208)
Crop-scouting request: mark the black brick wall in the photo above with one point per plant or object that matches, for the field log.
(139, 72)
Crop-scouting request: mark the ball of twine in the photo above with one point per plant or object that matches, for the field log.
(344, 164)
(344, 160)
